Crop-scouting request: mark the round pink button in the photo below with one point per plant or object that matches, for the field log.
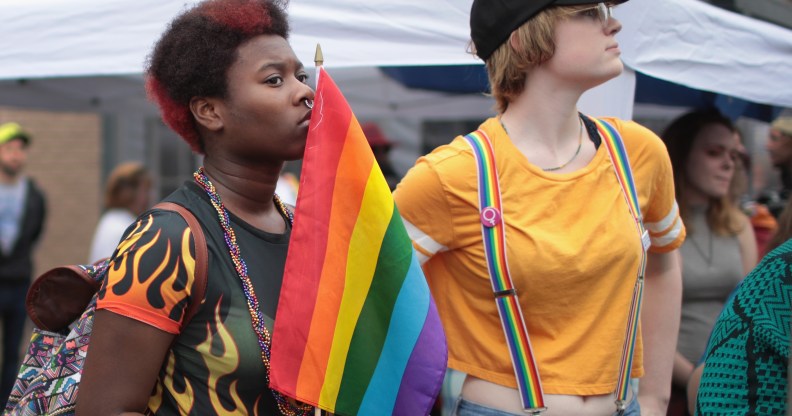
(490, 217)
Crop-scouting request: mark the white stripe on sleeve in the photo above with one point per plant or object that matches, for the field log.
(670, 236)
(662, 225)
(422, 240)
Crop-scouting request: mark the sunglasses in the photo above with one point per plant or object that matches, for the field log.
(602, 11)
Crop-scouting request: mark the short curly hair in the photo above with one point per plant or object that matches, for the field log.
(193, 56)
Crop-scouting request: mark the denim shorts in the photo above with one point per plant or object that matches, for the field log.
(466, 408)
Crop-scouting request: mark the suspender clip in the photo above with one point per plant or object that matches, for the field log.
(621, 407)
(504, 293)
(646, 240)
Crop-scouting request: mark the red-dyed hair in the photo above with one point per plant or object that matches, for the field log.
(192, 57)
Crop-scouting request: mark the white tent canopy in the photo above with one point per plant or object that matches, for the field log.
(88, 54)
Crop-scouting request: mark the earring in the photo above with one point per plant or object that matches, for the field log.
(308, 103)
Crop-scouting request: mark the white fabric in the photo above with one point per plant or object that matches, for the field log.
(45, 38)
(670, 237)
(702, 46)
(663, 224)
(684, 41)
(108, 233)
(286, 192)
(613, 98)
(424, 241)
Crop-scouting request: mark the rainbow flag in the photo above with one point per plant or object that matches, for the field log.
(357, 331)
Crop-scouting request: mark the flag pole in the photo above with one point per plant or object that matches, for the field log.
(318, 58)
(318, 62)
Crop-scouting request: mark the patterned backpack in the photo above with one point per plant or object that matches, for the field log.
(61, 303)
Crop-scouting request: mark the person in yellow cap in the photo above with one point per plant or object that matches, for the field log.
(780, 144)
(779, 150)
(22, 213)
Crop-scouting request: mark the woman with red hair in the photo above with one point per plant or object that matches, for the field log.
(228, 82)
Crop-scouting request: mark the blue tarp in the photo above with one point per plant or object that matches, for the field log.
(470, 79)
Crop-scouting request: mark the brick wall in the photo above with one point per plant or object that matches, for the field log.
(65, 160)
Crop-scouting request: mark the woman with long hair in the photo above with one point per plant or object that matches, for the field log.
(720, 248)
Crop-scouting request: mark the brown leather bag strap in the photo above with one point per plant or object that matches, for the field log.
(201, 257)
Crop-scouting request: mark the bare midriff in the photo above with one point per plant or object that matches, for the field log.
(507, 399)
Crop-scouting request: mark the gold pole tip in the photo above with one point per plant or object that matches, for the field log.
(318, 58)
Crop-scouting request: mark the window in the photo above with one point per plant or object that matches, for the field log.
(169, 158)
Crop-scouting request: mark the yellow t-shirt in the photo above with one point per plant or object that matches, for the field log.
(572, 247)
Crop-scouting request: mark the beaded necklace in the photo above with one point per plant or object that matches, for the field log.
(257, 317)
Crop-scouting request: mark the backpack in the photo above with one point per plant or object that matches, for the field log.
(61, 303)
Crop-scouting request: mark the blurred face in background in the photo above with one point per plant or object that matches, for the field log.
(779, 148)
(142, 198)
(129, 187)
(13, 156)
(711, 164)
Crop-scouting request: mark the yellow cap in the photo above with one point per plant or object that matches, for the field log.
(783, 124)
(9, 131)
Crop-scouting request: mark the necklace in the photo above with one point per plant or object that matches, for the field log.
(707, 258)
(257, 317)
(580, 144)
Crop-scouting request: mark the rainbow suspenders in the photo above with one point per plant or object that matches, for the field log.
(494, 238)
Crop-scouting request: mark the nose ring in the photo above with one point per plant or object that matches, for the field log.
(308, 103)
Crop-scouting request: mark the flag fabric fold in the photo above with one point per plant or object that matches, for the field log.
(357, 331)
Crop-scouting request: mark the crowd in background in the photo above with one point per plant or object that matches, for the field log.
(729, 230)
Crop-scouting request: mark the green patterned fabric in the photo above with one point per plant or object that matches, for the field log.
(748, 353)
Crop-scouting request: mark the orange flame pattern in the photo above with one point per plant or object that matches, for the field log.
(221, 365)
(185, 400)
(157, 286)
(151, 280)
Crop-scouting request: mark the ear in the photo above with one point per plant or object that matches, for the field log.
(514, 41)
(205, 111)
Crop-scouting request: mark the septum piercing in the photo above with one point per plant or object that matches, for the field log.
(308, 103)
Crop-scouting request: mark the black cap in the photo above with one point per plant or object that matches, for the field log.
(492, 21)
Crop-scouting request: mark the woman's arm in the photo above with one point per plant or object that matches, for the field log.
(660, 327)
(692, 388)
(123, 361)
(748, 247)
(682, 370)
